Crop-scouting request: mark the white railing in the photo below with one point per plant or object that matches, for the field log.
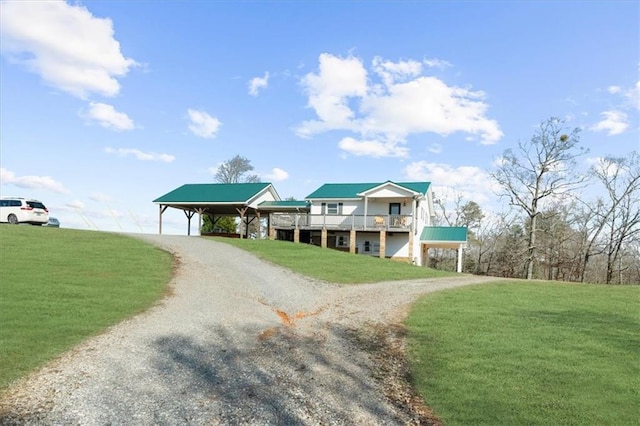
(337, 221)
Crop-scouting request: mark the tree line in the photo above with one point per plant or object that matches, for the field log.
(564, 225)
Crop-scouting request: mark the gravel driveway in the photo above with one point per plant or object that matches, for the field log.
(239, 341)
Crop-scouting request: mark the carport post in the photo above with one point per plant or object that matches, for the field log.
(162, 209)
(459, 269)
(200, 211)
(189, 215)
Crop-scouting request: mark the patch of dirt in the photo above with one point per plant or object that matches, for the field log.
(386, 343)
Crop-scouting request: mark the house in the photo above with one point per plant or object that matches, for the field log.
(388, 219)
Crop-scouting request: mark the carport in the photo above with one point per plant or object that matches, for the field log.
(446, 237)
(217, 200)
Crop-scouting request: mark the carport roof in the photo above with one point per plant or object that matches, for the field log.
(212, 193)
(444, 234)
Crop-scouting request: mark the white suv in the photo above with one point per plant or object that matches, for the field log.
(20, 210)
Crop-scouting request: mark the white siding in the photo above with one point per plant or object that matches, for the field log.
(397, 245)
(267, 195)
(390, 191)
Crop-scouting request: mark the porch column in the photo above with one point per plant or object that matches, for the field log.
(414, 216)
(424, 256)
(383, 243)
(259, 225)
(366, 208)
(272, 233)
(410, 246)
(352, 241)
(268, 225)
(323, 238)
(296, 235)
(459, 269)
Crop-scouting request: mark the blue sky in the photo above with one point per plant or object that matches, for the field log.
(107, 105)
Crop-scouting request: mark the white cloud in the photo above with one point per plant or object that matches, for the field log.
(140, 155)
(435, 148)
(427, 104)
(277, 175)
(437, 63)
(8, 177)
(633, 95)
(65, 44)
(391, 72)
(257, 83)
(108, 117)
(372, 148)
(614, 122)
(329, 90)
(405, 102)
(202, 124)
(614, 89)
(473, 183)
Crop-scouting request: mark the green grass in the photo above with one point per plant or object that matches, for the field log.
(60, 286)
(333, 265)
(529, 353)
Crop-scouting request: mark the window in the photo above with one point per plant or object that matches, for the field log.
(394, 208)
(332, 208)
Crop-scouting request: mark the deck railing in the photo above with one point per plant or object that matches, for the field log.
(341, 222)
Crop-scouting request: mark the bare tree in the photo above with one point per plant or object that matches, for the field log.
(508, 253)
(235, 171)
(445, 201)
(559, 242)
(541, 168)
(485, 241)
(231, 171)
(620, 217)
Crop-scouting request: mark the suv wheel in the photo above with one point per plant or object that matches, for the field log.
(13, 219)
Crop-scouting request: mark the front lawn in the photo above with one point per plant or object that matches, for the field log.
(60, 286)
(333, 265)
(529, 353)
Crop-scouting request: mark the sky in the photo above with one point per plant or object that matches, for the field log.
(108, 105)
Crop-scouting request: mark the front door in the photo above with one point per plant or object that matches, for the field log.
(394, 208)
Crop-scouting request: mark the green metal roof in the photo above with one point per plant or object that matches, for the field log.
(212, 193)
(444, 233)
(288, 204)
(351, 190)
